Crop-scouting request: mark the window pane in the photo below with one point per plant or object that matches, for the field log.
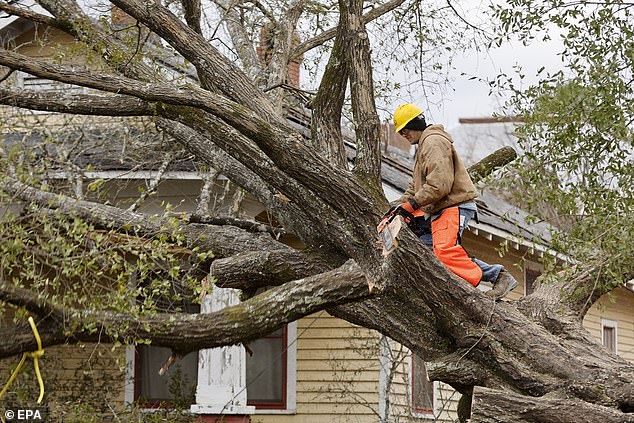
(609, 340)
(266, 370)
(422, 389)
(176, 387)
(530, 278)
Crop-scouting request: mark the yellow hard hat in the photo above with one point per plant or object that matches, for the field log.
(404, 113)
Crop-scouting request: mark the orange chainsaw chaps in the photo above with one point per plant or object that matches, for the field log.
(445, 237)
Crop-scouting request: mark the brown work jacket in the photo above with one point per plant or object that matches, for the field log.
(440, 179)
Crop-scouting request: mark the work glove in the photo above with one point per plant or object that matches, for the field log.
(410, 206)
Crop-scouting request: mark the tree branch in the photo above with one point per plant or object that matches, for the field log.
(188, 96)
(327, 105)
(81, 104)
(32, 302)
(31, 16)
(271, 192)
(184, 333)
(282, 36)
(257, 269)
(332, 32)
(366, 120)
(153, 185)
(223, 241)
(76, 23)
(192, 14)
(219, 159)
(225, 76)
(461, 373)
(240, 38)
(492, 162)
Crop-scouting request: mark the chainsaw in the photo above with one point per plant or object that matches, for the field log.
(390, 226)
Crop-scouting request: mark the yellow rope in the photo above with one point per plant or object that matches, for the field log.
(35, 355)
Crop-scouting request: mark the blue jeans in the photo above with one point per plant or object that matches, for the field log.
(490, 272)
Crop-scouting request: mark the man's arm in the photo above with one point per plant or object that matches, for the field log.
(409, 193)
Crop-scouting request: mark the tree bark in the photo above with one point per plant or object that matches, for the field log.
(325, 127)
(184, 333)
(535, 351)
(367, 165)
(491, 406)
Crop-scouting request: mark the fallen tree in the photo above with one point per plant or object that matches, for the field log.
(529, 355)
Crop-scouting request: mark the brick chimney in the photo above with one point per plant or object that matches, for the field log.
(120, 19)
(264, 54)
(389, 137)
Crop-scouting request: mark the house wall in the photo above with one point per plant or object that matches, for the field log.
(76, 378)
(617, 306)
(337, 373)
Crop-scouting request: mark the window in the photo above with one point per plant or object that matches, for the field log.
(531, 272)
(270, 374)
(266, 371)
(31, 82)
(175, 389)
(423, 391)
(609, 335)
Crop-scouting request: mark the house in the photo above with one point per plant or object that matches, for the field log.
(318, 369)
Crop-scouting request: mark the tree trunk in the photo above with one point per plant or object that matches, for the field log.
(533, 357)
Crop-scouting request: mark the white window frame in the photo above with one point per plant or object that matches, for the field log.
(612, 324)
(130, 362)
(422, 415)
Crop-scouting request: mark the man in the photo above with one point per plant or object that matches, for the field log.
(442, 192)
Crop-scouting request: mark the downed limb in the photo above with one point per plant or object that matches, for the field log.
(81, 104)
(221, 240)
(184, 333)
(262, 268)
(494, 406)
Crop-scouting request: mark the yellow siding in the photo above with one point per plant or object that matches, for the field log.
(446, 398)
(617, 306)
(89, 375)
(337, 373)
(400, 388)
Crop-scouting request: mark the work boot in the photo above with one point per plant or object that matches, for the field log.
(504, 284)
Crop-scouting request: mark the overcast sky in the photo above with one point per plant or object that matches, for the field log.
(467, 97)
(470, 97)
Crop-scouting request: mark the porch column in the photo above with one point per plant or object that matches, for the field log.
(221, 393)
